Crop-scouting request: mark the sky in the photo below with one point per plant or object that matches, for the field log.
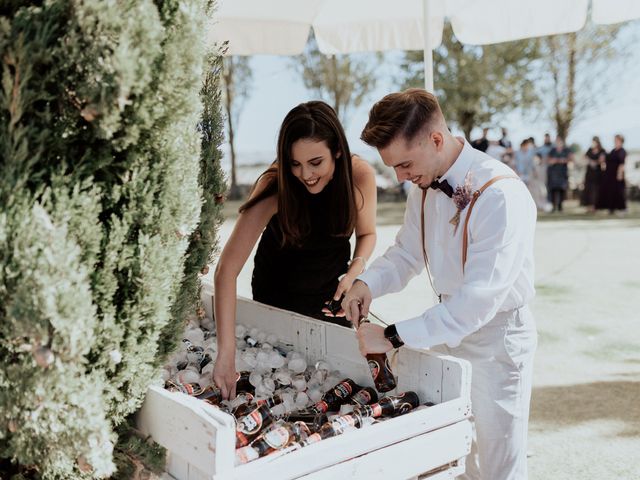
(277, 88)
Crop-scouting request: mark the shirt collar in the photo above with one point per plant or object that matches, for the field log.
(458, 171)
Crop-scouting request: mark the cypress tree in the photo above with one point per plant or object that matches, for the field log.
(110, 175)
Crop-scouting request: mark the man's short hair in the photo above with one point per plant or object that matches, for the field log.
(402, 114)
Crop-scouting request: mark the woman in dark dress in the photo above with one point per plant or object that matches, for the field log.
(612, 188)
(595, 164)
(303, 210)
(558, 173)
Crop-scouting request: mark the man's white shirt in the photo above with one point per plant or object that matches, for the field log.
(499, 271)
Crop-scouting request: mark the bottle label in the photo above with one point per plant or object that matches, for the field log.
(363, 397)
(403, 408)
(313, 438)
(251, 423)
(246, 454)
(343, 390)
(375, 368)
(340, 424)
(321, 407)
(376, 410)
(277, 438)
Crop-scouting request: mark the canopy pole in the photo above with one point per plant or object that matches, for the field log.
(428, 50)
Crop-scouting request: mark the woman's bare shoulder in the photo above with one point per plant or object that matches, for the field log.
(362, 170)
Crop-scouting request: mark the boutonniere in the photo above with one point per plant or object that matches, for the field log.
(461, 198)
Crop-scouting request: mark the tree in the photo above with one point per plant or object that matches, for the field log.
(343, 81)
(237, 80)
(578, 68)
(105, 217)
(477, 84)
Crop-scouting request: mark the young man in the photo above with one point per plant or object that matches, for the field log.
(483, 272)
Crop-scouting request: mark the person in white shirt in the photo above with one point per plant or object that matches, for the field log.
(479, 251)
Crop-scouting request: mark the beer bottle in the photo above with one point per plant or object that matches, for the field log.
(192, 389)
(365, 396)
(390, 406)
(275, 439)
(249, 426)
(243, 385)
(211, 394)
(313, 420)
(381, 372)
(335, 427)
(335, 397)
(245, 408)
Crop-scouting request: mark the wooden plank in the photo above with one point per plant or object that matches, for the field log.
(404, 459)
(178, 423)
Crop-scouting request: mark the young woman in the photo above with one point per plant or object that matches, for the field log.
(303, 209)
(612, 186)
(596, 157)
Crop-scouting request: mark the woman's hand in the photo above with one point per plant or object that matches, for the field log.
(343, 286)
(224, 374)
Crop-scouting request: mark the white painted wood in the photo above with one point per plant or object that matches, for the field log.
(405, 459)
(201, 441)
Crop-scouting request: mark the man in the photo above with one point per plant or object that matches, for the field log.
(482, 143)
(483, 315)
(504, 140)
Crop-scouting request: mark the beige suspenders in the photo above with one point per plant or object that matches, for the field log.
(474, 198)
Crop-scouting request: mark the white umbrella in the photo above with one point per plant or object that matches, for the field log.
(281, 27)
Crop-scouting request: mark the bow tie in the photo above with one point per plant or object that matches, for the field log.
(443, 186)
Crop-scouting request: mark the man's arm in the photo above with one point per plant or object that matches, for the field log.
(501, 231)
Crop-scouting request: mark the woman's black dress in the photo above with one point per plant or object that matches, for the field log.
(612, 190)
(302, 279)
(592, 178)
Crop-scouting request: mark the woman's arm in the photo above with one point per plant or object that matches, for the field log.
(364, 179)
(246, 232)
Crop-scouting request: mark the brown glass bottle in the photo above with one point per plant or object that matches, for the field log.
(365, 396)
(243, 385)
(335, 427)
(249, 426)
(245, 408)
(312, 419)
(335, 397)
(390, 406)
(275, 439)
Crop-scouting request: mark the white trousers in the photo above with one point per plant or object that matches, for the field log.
(501, 356)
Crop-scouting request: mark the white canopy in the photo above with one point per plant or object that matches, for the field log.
(281, 27)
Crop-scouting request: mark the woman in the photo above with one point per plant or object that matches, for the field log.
(595, 157)
(612, 187)
(315, 195)
(558, 173)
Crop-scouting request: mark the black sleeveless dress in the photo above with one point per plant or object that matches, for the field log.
(302, 279)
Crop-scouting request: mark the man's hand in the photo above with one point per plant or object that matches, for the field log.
(371, 339)
(356, 302)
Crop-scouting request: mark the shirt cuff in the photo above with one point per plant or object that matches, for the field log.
(373, 282)
(428, 329)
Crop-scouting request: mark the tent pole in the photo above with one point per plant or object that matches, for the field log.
(428, 50)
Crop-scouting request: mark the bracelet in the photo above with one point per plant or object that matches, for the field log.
(364, 263)
(391, 334)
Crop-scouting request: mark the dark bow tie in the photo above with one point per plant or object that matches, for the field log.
(443, 186)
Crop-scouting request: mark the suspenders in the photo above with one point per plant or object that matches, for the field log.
(465, 240)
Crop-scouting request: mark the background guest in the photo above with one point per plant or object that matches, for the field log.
(612, 187)
(596, 157)
(558, 173)
(481, 143)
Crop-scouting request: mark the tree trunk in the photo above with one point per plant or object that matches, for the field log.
(234, 192)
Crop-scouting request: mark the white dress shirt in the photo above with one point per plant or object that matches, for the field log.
(499, 271)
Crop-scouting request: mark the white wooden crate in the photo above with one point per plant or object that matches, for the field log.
(201, 440)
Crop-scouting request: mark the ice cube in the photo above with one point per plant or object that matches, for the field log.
(269, 384)
(272, 338)
(283, 376)
(195, 336)
(276, 360)
(323, 365)
(255, 379)
(299, 383)
(297, 365)
(302, 400)
(241, 331)
(314, 394)
(249, 358)
(187, 376)
(261, 336)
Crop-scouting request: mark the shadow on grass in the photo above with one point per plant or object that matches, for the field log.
(566, 406)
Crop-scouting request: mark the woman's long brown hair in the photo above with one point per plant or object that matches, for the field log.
(310, 121)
